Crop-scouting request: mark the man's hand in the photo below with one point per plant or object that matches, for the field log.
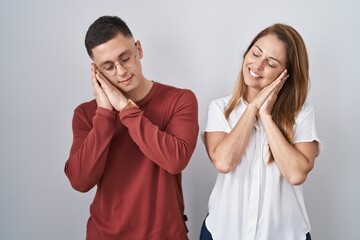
(99, 94)
(114, 96)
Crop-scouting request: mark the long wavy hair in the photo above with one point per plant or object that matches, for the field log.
(294, 92)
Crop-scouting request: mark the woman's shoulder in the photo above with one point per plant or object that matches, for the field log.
(306, 109)
(220, 102)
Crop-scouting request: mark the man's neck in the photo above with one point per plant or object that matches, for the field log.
(141, 91)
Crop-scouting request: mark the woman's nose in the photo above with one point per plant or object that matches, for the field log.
(259, 65)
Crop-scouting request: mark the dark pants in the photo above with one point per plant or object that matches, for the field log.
(206, 235)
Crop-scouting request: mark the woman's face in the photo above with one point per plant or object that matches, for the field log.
(263, 63)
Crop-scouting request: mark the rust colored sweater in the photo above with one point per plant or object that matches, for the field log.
(135, 159)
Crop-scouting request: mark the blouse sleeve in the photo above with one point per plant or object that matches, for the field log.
(305, 128)
(216, 121)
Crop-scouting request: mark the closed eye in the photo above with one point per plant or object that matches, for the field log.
(109, 67)
(124, 60)
(270, 65)
(255, 54)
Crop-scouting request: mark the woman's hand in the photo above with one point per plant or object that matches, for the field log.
(265, 100)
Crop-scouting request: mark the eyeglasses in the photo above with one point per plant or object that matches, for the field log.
(126, 61)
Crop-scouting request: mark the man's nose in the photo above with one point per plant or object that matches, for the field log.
(120, 70)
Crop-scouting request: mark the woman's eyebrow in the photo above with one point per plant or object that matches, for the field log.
(269, 57)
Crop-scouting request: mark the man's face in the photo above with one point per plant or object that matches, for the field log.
(119, 61)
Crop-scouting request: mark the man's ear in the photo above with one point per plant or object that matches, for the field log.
(139, 49)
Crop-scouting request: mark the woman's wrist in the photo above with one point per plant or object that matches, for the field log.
(265, 117)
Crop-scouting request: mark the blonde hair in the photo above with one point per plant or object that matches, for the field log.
(294, 92)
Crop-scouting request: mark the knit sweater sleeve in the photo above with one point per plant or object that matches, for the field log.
(91, 141)
(172, 148)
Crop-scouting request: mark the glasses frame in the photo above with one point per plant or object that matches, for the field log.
(114, 66)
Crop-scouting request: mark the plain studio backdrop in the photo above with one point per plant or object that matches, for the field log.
(45, 74)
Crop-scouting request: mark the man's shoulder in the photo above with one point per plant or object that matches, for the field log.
(87, 107)
(173, 91)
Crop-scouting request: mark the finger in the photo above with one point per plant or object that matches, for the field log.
(283, 80)
(94, 71)
(96, 83)
(279, 81)
(93, 76)
(104, 83)
(283, 74)
(281, 77)
(98, 90)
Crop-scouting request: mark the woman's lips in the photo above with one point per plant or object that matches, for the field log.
(253, 74)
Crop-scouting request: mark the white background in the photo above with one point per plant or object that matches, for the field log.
(45, 74)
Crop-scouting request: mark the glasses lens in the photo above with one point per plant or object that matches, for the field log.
(129, 61)
(126, 62)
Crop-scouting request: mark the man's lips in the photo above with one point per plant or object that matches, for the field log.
(126, 80)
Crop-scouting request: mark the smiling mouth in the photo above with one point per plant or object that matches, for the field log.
(127, 80)
(253, 74)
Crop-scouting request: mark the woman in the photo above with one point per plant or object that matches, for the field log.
(263, 142)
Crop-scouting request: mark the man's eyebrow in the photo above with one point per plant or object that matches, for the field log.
(269, 57)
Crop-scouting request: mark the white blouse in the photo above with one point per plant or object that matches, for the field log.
(254, 201)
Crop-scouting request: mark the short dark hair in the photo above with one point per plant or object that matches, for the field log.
(104, 29)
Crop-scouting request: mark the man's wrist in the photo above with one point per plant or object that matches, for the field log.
(130, 103)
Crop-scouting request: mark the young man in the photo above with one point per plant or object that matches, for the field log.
(132, 142)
